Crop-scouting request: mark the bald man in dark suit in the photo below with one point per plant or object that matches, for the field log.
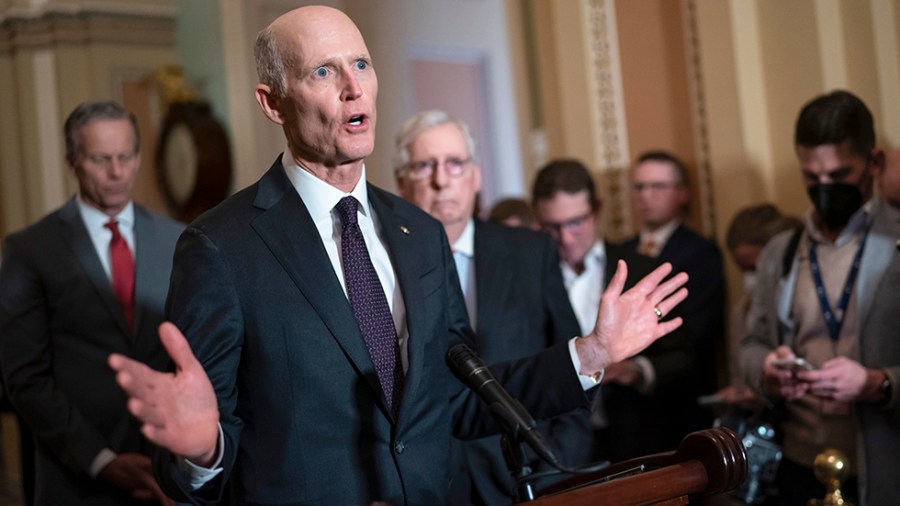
(317, 311)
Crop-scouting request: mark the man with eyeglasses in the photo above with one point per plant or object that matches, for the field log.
(510, 280)
(660, 195)
(827, 293)
(87, 280)
(625, 417)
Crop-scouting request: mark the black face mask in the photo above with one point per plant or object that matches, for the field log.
(835, 203)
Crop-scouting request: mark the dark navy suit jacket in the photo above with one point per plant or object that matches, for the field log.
(704, 320)
(304, 418)
(522, 310)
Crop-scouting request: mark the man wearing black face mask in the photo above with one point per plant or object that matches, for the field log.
(815, 288)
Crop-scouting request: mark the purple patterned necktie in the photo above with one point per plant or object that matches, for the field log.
(373, 315)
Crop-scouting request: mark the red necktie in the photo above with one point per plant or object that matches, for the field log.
(122, 271)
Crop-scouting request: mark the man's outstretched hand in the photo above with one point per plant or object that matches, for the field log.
(178, 411)
(628, 322)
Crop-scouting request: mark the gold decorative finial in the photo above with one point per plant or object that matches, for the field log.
(830, 468)
(173, 86)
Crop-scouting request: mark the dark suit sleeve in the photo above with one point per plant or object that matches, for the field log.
(704, 309)
(204, 305)
(546, 383)
(27, 356)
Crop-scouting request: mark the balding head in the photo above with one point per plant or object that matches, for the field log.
(278, 46)
(318, 83)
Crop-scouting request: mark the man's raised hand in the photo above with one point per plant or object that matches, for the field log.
(629, 322)
(178, 411)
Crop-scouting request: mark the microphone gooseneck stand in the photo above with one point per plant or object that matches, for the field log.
(517, 425)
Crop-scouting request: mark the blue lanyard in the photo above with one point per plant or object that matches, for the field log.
(833, 321)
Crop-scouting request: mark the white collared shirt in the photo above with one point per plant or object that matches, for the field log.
(95, 221)
(586, 288)
(464, 258)
(320, 199)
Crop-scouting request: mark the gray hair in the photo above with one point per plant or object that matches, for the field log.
(271, 63)
(421, 122)
(88, 112)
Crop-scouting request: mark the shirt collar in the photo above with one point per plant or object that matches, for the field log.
(858, 222)
(466, 242)
(95, 219)
(661, 235)
(318, 196)
(597, 253)
(595, 257)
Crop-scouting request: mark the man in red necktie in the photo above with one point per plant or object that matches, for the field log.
(87, 280)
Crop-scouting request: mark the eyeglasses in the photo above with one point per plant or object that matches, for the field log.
(653, 187)
(570, 225)
(105, 160)
(455, 167)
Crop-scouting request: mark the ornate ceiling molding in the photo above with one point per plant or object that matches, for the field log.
(101, 22)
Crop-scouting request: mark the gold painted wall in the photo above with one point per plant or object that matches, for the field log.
(55, 56)
(719, 82)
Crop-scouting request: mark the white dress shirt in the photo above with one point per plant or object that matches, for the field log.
(320, 199)
(585, 289)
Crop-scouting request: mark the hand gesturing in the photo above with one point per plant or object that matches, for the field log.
(628, 322)
(178, 410)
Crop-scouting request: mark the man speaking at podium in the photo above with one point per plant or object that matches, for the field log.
(319, 309)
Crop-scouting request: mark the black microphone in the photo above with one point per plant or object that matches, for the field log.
(512, 416)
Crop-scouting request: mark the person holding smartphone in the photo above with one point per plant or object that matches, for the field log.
(816, 288)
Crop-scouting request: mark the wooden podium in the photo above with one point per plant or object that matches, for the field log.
(707, 462)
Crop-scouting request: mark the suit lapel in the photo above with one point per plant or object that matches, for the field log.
(672, 250)
(880, 249)
(288, 230)
(405, 257)
(146, 248)
(492, 280)
(77, 237)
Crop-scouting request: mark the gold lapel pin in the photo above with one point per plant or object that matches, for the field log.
(404, 230)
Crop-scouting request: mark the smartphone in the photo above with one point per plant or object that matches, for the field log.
(793, 364)
(711, 400)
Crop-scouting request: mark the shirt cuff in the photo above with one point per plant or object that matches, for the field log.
(587, 382)
(648, 384)
(200, 475)
(100, 461)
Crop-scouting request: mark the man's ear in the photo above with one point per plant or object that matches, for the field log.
(70, 164)
(269, 104)
(878, 161)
